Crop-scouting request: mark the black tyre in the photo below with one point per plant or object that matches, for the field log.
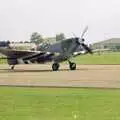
(72, 66)
(12, 67)
(55, 66)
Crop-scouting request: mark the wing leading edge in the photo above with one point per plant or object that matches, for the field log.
(25, 57)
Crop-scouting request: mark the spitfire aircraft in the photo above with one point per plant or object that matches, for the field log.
(56, 53)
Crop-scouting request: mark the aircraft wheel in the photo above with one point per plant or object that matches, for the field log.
(12, 67)
(55, 66)
(72, 66)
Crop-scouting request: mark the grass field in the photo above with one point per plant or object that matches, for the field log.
(59, 104)
(104, 58)
(2, 61)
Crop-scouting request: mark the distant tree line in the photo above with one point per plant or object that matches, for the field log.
(60, 37)
(38, 38)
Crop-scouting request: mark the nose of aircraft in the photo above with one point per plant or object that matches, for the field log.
(88, 49)
(81, 42)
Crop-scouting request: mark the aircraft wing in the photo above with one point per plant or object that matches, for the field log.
(26, 56)
(17, 53)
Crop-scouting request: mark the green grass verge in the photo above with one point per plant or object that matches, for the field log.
(3, 61)
(59, 104)
(104, 58)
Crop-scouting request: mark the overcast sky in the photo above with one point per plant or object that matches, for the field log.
(19, 18)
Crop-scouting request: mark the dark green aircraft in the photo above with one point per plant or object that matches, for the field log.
(56, 53)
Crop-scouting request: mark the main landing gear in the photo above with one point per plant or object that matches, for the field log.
(12, 67)
(55, 66)
(72, 66)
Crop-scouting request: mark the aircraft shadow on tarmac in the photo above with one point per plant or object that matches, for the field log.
(49, 70)
(26, 70)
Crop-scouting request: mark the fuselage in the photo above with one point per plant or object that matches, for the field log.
(57, 52)
(63, 49)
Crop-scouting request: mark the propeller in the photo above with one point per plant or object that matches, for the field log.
(81, 40)
(87, 48)
(84, 31)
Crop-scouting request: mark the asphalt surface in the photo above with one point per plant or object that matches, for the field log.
(102, 76)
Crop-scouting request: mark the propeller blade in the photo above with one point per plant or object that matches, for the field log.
(81, 39)
(84, 31)
(86, 48)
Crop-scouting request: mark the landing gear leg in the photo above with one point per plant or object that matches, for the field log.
(55, 66)
(12, 67)
(72, 65)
